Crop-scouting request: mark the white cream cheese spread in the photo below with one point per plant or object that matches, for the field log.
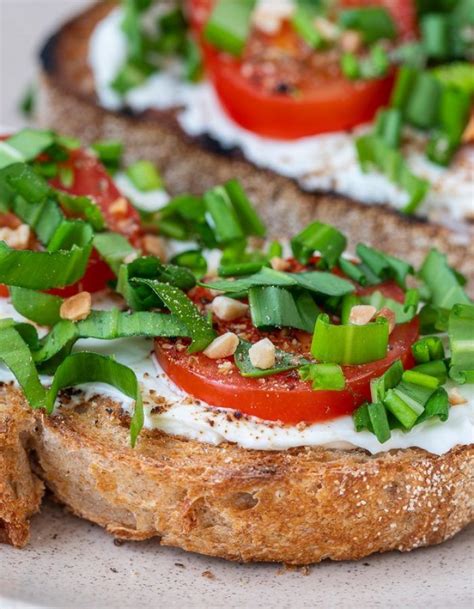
(325, 162)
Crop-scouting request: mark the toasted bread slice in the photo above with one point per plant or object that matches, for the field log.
(20, 490)
(67, 102)
(297, 506)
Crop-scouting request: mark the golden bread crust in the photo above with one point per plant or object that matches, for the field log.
(67, 102)
(298, 506)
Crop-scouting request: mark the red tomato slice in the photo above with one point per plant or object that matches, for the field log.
(283, 397)
(91, 179)
(324, 102)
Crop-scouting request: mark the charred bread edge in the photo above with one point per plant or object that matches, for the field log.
(67, 103)
(298, 506)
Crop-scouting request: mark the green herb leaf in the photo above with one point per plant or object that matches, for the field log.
(283, 362)
(200, 329)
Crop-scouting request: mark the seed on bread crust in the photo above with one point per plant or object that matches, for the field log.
(76, 307)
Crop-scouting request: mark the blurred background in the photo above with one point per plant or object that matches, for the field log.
(24, 26)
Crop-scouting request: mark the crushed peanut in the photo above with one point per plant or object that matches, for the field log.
(154, 246)
(389, 316)
(455, 398)
(361, 314)
(76, 307)
(228, 309)
(280, 264)
(119, 207)
(350, 41)
(16, 238)
(223, 346)
(263, 354)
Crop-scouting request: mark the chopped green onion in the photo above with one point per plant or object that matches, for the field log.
(229, 25)
(461, 343)
(428, 349)
(283, 362)
(24, 146)
(441, 281)
(383, 265)
(109, 152)
(350, 66)
(420, 378)
(222, 215)
(39, 307)
(458, 75)
(361, 418)
(348, 301)
(349, 344)
(400, 409)
(239, 268)
(303, 25)
(435, 33)
(389, 126)
(379, 422)
(372, 151)
(250, 221)
(353, 271)
(323, 238)
(144, 176)
(414, 395)
(319, 282)
(324, 377)
(83, 207)
(45, 270)
(274, 307)
(436, 406)
(436, 368)
(193, 63)
(192, 260)
(113, 248)
(16, 356)
(131, 75)
(373, 22)
(200, 329)
(389, 379)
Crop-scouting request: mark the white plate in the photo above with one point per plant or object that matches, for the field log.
(71, 564)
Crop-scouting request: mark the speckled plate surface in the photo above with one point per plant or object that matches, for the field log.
(71, 564)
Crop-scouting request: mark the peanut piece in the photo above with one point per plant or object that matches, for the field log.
(263, 354)
(227, 308)
(222, 346)
(76, 307)
(154, 246)
(360, 315)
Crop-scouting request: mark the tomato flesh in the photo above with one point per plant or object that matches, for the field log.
(89, 178)
(282, 397)
(305, 94)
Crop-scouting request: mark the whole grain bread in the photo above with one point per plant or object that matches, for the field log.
(67, 103)
(297, 506)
